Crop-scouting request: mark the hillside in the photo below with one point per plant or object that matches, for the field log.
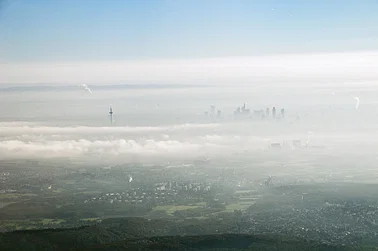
(142, 234)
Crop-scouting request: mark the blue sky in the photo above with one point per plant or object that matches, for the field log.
(98, 30)
(108, 41)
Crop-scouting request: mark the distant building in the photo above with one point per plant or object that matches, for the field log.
(267, 112)
(212, 109)
(274, 112)
(269, 181)
(297, 143)
(258, 113)
(242, 110)
(275, 145)
(283, 113)
(219, 113)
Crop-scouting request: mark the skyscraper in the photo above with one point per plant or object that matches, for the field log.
(274, 112)
(212, 109)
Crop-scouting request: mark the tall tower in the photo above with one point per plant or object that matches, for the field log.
(274, 112)
(283, 113)
(111, 115)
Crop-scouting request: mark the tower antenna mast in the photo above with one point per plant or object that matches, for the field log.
(111, 115)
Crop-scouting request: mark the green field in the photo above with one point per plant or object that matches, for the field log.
(239, 206)
(171, 209)
(15, 195)
(91, 219)
(244, 191)
(29, 224)
(4, 204)
(201, 204)
(52, 221)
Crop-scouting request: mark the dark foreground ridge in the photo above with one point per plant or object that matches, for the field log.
(214, 242)
(142, 234)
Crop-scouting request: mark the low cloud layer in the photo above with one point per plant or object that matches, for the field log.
(22, 128)
(161, 147)
(334, 66)
(180, 142)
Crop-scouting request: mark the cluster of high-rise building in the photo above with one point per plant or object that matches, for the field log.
(274, 113)
(260, 113)
(242, 111)
(212, 113)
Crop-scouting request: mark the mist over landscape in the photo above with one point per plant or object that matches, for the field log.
(165, 155)
(205, 154)
(170, 123)
(188, 125)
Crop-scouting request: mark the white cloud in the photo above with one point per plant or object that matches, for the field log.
(40, 147)
(19, 128)
(21, 140)
(82, 147)
(181, 142)
(343, 66)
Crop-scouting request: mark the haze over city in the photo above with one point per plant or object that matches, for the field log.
(253, 117)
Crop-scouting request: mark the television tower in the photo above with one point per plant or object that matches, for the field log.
(111, 115)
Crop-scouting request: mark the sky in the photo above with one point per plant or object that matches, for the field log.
(39, 39)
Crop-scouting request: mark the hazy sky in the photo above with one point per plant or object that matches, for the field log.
(40, 33)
